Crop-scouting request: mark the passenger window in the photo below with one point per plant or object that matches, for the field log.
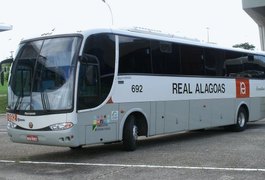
(255, 66)
(165, 57)
(192, 60)
(134, 55)
(234, 63)
(214, 62)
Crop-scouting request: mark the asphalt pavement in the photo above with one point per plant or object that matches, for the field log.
(3, 123)
(211, 154)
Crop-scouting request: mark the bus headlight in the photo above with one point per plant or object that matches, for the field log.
(11, 125)
(61, 126)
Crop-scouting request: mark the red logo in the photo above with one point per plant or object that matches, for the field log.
(242, 88)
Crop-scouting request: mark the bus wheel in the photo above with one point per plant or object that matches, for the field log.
(241, 122)
(130, 134)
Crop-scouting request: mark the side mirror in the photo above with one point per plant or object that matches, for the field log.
(89, 59)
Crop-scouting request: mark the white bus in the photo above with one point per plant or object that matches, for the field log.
(111, 85)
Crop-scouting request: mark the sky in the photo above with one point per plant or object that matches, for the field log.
(223, 22)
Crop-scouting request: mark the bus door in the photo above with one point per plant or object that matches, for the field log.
(100, 123)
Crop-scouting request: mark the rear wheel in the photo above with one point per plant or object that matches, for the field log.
(242, 119)
(130, 134)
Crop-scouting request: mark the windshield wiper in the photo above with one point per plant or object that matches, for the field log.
(18, 102)
(45, 101)
(20, 96)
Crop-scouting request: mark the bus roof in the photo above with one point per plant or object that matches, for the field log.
(158, 35)
(145, 33)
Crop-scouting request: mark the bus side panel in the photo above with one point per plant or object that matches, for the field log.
(100, 125)
(200, 114)
(108, 134)
(223, 111)
(159, 117)
(257, 110)
(257, 100)
(176, 116)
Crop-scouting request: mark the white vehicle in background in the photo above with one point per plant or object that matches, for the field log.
(109, 85)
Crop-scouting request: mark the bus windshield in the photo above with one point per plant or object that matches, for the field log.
(43, 75)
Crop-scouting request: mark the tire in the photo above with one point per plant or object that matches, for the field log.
(241, 121)
(130, 134)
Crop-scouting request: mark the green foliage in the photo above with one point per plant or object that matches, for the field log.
(3, 89)
(6, 76)
(3, 98)
(3, 104)
(245, 45)
(6, 68)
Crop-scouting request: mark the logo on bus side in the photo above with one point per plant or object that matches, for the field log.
(101, 123)
(242, 88)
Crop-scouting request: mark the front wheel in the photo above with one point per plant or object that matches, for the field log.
(242, 119)
(130, 134)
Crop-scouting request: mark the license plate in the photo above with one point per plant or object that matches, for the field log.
(32, 138)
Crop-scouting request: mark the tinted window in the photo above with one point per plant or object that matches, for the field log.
(255, 66)
(259, 64)
(144, 56)
(239, 64)
(192, 60)
(234, 63)
(103, 47)
(134, 55)
(165, 57)
(95, 80)
(214, 62)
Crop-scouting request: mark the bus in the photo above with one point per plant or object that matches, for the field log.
(114, 85)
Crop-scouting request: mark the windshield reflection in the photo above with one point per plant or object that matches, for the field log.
(43, 75)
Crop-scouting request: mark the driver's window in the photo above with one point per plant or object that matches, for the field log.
(88, 86)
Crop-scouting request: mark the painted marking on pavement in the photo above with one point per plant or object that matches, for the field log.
(137, 166)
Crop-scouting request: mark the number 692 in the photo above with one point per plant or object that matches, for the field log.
(137, 88)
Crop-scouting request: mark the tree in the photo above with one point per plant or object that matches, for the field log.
(245, 45)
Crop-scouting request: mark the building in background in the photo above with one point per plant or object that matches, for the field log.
(256, 10)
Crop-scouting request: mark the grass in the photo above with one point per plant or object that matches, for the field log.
(3, 98)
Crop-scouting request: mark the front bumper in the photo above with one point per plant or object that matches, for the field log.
(65, 138)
